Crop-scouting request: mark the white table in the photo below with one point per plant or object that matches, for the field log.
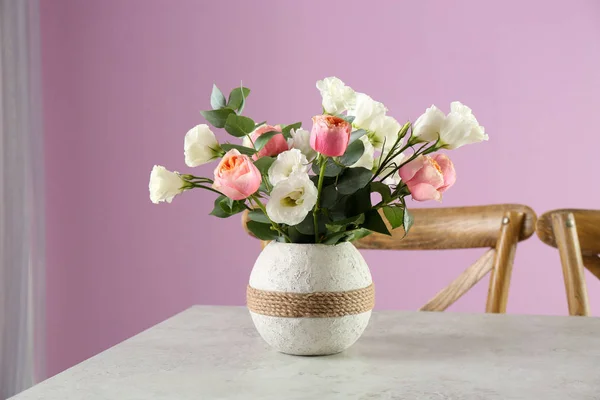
(215, 353)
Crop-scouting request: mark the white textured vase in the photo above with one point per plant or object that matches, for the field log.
(310, 268)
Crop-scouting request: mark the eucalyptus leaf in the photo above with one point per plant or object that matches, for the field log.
(408, 221)
(383, 189)
(263, 139)
(307, 226)
(262, 231)
(287, 129)
(357, 135)
(358, 234)
(394, 215)
(263, 164)
(217, 100)
(297, 237)
(329, 196)
(217, 118)
(331, 168)
(242, 149)
(353, 153)
(357, 203)
(347, 118)
(353, 179)
(237, 97)
(238, 126)
(225, 207)
(258, 216)
(335, 238)
(375, 223)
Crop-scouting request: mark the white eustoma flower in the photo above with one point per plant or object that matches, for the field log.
(368, 156)
(461, 127)
(337, 97)
(367, 113)
(393, 179)
(200, 146)
(386, 131)
(301, 140)
(164, 184)
(428, 126)
(286, 164)
(292, 199)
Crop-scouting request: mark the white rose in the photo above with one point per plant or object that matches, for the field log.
(428, 126)
(301, 140)
(393, 179)
(337, 97)
(367, 112)
(164, 184)
(292, 199)
(386, 130)
(200, 146)
(368, 156)
(286, 164)
(461, 127)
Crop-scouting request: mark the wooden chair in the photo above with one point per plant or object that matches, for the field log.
(576, 234)
(499, 227)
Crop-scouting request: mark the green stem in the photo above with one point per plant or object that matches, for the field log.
(323, 164)
(273, 224)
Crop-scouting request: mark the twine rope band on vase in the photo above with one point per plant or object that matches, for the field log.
(314, 305)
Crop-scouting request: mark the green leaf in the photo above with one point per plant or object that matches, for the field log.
(331, 168)
(263, 139)
(262, 231)
(217, 118)
(394, 215)
(354, 204)
(353, 153)
(298, 237)
(357, 135)
(307, 226)
(287, 129)
(354, 220)
(242, 149)
(335, 238)
(238, 126)
(353, 179)
(374, 222)
(358, 234)
(263, 164)
(217, 100)
(225, 207)
(347, 118)
(237, 98)
(259, 216)
(329, 196)
(383, 189)
(408, 221)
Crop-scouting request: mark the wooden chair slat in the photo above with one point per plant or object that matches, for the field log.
(588, 229)
(503, 263)
(564, 228)
(465, 281)
(452, 228)
(592, 263)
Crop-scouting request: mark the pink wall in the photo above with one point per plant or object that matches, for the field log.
(124, 80)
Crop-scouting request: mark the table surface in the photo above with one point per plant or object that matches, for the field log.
(215, 353)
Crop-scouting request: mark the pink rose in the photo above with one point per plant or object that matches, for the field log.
(428, 177)
(236, 176)
(330, 135)
(276, 145)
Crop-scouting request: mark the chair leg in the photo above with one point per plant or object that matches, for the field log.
(565, 232)
(506, 247)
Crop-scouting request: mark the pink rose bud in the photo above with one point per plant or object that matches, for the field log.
(428, 177)
(330, 135)
(236, 176)
(276, 145)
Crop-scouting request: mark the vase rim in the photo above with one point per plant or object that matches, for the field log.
(312, 244)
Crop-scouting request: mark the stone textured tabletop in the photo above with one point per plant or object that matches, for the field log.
(214, 353)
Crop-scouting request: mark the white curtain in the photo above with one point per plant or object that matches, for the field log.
(21, 199)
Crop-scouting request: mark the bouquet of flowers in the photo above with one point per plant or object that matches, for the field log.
(318, 186)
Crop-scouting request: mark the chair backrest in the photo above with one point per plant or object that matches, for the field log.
(576, 234)
(498, 227)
